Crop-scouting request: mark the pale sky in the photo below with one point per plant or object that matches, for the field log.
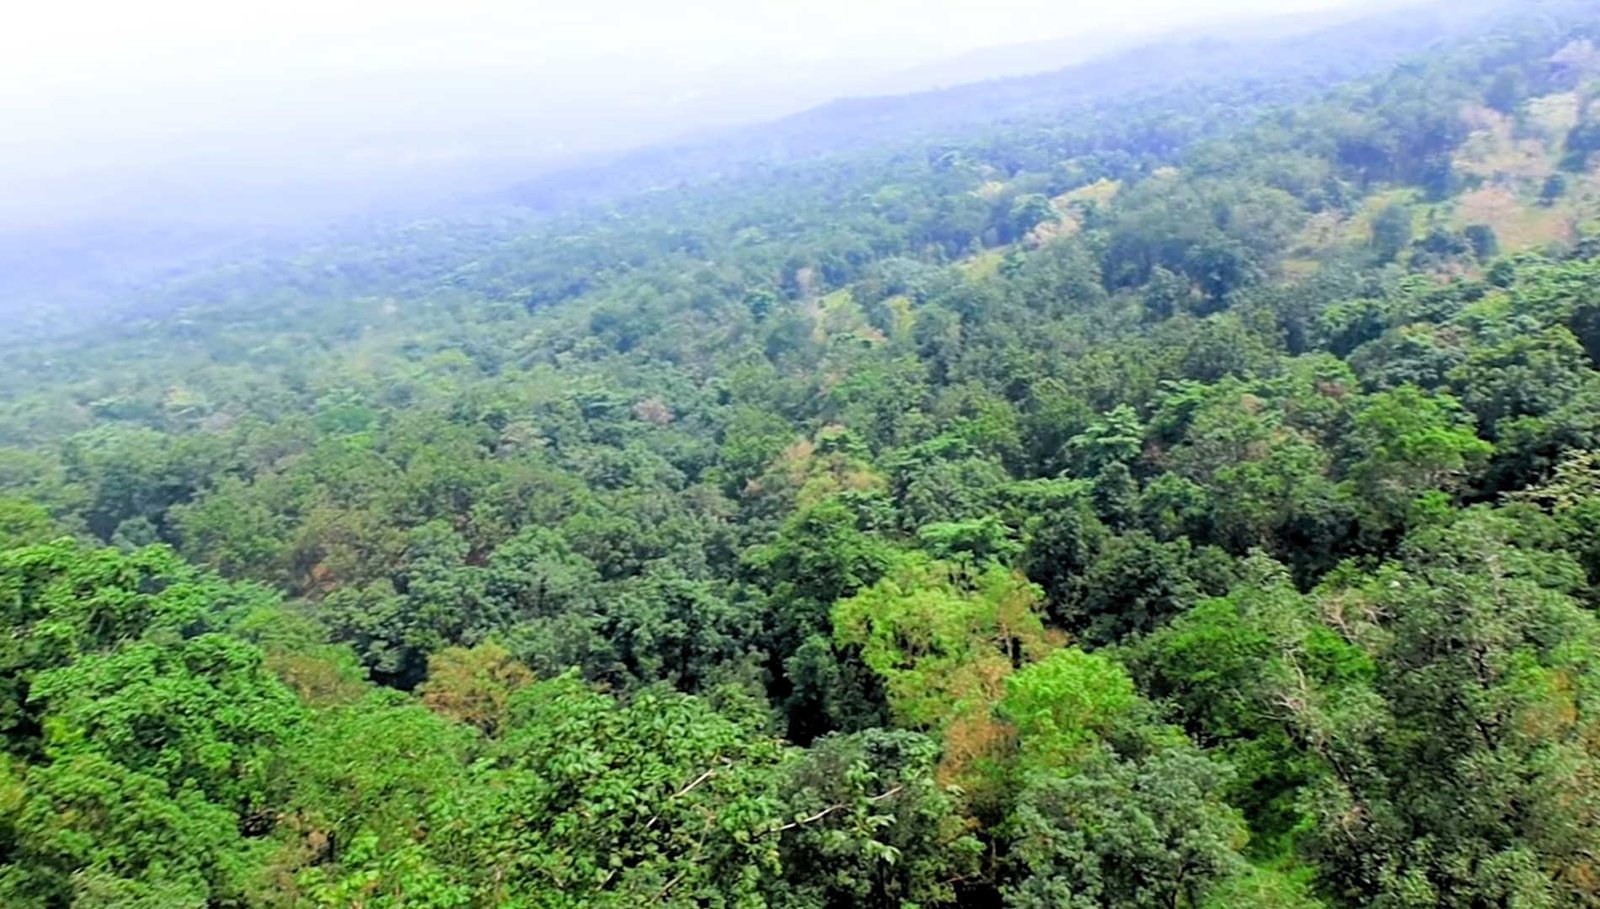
(67, 43)
(113, 104)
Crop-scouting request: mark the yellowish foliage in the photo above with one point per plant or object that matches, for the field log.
(984, 265)
(1050, 231)
(837, 315)
(945, 638)
(1494, 152)
(904, 319)
(320, 678)
(1519, 225)
(1554, 115)
(990, 191)
(814, 477)
(653, 411)
(1101, 191)
(472, 685)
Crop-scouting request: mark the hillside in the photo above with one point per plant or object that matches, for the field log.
(1097, 490)
(73, 275)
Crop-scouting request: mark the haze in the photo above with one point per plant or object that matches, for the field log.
(224, 113)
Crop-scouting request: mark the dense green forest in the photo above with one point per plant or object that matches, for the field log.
(1189, 503)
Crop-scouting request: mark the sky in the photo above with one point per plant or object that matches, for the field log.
(263, 109)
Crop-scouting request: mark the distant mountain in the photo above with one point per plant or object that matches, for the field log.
(67, 272)
(1036, 57)
(1293, 58)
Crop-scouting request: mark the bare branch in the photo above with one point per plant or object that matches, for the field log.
(833, 808)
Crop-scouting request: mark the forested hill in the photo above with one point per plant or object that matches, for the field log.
(1278, 62)
(1194, 504)
(74, 276)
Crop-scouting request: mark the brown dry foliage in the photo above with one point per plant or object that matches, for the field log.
(473, 685)
(653, 411)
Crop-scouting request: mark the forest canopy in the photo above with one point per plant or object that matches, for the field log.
(1195, 505)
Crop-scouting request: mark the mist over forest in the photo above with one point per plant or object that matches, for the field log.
(862, 454)
(107, 191)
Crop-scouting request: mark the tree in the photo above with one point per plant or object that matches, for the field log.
(1148, 835)
(1245, 675)
(949, 490)
(89, 830)
(1065, 707)
(878, 826)
(360, 786)
(590, 802)
(1062, 538)
(942, 635)
(1483, 240)
(1027, 212)
(1391, 232)
(153, 774)
(669, 628)
(1115, 437)
(1555, 186)
(1266, 478)
(983, 542)
(942, 638)
(1166, 295)
(473, 685)
(23, 523)
(820, 556)
(843, 532)
(1506, 92)
(1472, 636)
(1134, 586)
(1531, 374)
(204, 714)
(62, 602)
(1405, 443)
(1582, 142)
(536, 574)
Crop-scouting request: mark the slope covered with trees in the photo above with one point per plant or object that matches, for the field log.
(1192, 505)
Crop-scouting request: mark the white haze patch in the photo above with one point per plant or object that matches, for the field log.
(229, 113)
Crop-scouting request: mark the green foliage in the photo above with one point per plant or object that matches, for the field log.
(818, 557)
(1064, 706)
(1223, 235)
(205, 712)
(942, 636)
(23, 523)
(1234, 669)
(1126, 835)
(680, 631)
(1405, 443)
(891, 835)
(90, 830)
(1156, 485)
(361, 784)
(1115, 438)
(1474, 637)
(983, 541)
(395, 877)
(589, 802)
(64, 602)
(1391, 232)
(1135, 585)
